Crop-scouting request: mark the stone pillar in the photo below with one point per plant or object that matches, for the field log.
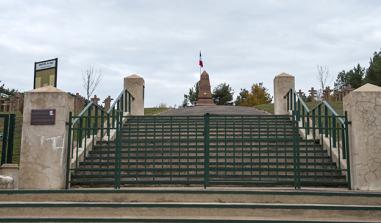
(282, 84)
(364, 112)
(135, 85)
(44, 147)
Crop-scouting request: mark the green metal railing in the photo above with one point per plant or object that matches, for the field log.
(252, 150)
(199, 150)
(7, 137)
(95, 125)
(322, 123)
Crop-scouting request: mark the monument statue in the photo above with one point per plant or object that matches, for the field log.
(204, 94)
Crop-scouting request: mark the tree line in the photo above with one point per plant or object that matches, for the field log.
(223, 95)
(358, 75)
(258, 94)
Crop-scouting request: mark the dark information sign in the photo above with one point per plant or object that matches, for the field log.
(43, 117)
(45, 73)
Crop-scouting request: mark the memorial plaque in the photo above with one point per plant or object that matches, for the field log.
(45, 73)
(43, 117)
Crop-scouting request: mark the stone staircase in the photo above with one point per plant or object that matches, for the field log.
(243, 151)
(189, 205)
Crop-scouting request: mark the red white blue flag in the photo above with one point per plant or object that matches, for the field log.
(200, 63)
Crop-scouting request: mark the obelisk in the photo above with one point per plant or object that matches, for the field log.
(204, 93)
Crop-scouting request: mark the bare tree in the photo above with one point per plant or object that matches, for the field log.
(90, 81)
(323, 77)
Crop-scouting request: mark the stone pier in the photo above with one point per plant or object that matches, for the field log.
(364, 113)
(43, 152)
(135, 85)
(282, 84)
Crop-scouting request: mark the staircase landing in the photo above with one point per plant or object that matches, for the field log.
(214, 109)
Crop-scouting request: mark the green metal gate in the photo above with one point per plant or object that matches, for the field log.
(251, 150)
(190, 150)
(7, 128)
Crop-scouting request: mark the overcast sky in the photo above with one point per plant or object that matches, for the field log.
(242, 42)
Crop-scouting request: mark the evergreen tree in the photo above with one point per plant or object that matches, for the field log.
(6, 91)
(353, 77)
(223, 94)
(373, 73)
(243, 94)
(192, 95)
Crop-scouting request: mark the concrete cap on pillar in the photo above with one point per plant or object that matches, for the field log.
(368, 88)
(283, 74)
(49, 89)
(136, 78)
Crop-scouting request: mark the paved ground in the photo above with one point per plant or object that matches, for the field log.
(220, 110)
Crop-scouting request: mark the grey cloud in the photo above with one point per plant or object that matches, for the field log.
(242, 41)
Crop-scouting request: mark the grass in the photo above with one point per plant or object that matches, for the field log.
(266, 107)
(154, 111)
(337, 105)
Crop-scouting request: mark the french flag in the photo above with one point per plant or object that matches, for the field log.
(200, 63)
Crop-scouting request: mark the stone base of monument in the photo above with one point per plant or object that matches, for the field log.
(205, 102)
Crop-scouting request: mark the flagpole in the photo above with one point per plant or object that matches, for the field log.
(200, 61)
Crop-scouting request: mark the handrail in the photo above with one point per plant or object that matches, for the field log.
(83, 112)
(324, 121)
(330, 109)
(92, 124)
(115, 101)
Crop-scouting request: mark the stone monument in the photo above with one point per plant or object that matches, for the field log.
(204, 93)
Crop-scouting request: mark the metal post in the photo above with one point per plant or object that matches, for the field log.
(68, 152)
(206, 150)
(88, 122)
(11, 130)
(288, 101)
(308, 124)
(347, 151)
(117, 150)
(298, 111)
(313, 124)
(295, 142)
(102, 124)
(5, 141)
(334, 131)
(326, 121)
(319, 120)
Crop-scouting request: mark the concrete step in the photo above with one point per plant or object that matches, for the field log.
(189, 205)
(185, 164)
(212, 194)
(147, 149)
(200, 157)
(190, 210)
(200, 154)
